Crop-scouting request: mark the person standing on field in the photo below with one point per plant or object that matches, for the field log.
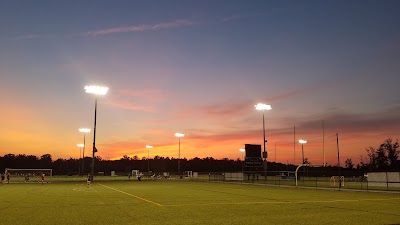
(8, 178)
(42, 178)
(2, 178)
(88, 180)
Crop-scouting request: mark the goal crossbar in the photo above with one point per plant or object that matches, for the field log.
(28, 175)
(301, 165)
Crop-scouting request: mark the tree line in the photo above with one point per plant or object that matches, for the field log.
(383, 158)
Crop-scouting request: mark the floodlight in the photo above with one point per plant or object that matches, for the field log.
(85, 130)
(149, 146)
(179, 135)
(242, 150)
(261, 106)
(301, 141)
(97, 90)
(80, 145)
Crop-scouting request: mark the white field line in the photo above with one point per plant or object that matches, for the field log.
(143, 199)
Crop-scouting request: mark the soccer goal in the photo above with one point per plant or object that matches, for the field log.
(28, 175)
(303, 165)
(336, 180)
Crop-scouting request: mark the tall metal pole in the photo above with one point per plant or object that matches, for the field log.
(83, 160)
(323, 141)
(79, 161)
(294, 145)
(265, 154)
(94, 140)
(304, 169)
(338, 158)
(242, 161)
(179, 157)
(148, 161)
(275, 152)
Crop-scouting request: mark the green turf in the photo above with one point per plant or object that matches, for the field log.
(172, 202)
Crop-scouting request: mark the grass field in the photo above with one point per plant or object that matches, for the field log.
(173, 202)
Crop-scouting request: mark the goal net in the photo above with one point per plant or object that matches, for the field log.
(336, 180)
(28, 175)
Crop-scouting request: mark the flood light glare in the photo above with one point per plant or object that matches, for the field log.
(149, 146)
(301, 141)
(97, 90)
(179, 135)
(85, 130)
(242, 150)
(261, 106)
(80, 145)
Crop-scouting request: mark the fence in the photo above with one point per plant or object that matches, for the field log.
(306, 177)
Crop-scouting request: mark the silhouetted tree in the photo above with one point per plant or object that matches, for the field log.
(385, 157)
(46, 161)
(349, 163)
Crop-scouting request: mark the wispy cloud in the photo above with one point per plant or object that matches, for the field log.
(113, 30)
(139, 28)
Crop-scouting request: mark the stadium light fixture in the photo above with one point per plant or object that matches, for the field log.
(263, 107)
(84, 131)
(179, 135)
(302, 142)
(148, 157)
(96, 90)
(242, 150)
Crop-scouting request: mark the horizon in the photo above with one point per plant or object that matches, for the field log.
(200, 68)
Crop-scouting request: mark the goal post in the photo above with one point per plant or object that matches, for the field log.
(336, 180)
(28, 175)
(304, 165)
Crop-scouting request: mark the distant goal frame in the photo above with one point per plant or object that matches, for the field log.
(18, 175)
(308, 165)
(336, 179)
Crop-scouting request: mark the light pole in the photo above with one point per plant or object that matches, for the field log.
(80, 153)
(97, 90)
(302, 142)
(263, 107)
(179, 135)
(148, 157)
(84, 131)
(242, 150)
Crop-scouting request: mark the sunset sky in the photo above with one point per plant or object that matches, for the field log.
(199, 67)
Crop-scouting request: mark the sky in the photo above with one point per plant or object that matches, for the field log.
(199, 68)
